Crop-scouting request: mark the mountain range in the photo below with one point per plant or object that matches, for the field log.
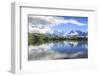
(71, 33)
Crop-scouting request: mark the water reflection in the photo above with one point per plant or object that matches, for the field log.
(58, 50)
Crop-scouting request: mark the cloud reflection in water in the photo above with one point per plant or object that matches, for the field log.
(58, 50)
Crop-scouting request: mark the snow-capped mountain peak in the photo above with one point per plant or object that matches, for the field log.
(73, 33)
(65, 34)
(77, 33)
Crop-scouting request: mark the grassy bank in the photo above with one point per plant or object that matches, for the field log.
(37, 38)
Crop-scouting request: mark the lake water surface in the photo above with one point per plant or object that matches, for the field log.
(58, 50)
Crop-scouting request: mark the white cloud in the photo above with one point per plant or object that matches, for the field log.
(38, 29)
(43, 24)
(72, 21)
(76, 22)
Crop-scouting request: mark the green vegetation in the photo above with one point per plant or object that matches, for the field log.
(78, 38)
(37, 38)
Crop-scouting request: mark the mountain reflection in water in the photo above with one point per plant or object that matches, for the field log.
(58, 50)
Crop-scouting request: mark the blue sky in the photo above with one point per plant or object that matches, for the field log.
(49, 24)
(67, 27)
